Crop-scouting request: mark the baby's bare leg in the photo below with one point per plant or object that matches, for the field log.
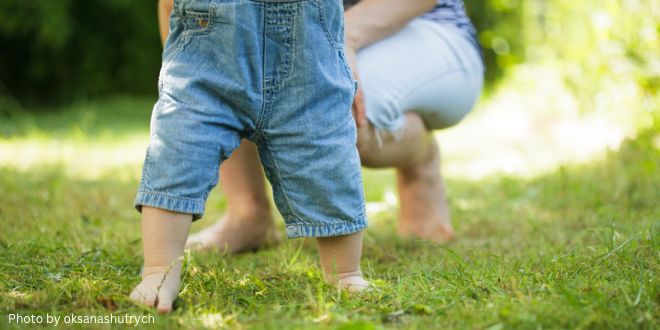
(340, 259)
(164, 236)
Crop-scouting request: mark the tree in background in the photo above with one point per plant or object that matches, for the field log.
(58, 51)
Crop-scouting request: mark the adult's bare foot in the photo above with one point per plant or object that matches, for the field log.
(235, 234)
(423, 206)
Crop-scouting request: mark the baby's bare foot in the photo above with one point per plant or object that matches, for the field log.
(353, 283)
(159, 288)
(350, 281)
(424, 212)
(236, 234)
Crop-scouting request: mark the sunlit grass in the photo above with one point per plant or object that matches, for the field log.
(529, 126)
(87, 140)
(578, 247)
(554, 230)
(81, 159)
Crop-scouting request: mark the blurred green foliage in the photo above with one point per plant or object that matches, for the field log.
(498, 23)
(59, 50)
(591, 43)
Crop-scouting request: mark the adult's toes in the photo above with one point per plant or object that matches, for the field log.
(443, 235)
(196, 241)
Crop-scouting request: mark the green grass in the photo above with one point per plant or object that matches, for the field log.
(578, 247)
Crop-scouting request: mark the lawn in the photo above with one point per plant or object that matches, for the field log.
(572, 246)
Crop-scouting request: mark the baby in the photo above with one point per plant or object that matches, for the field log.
(273, 72)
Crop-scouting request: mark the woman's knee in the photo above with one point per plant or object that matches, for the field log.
(385, 119)
(377, 146)
(367, 145)
(436, 120)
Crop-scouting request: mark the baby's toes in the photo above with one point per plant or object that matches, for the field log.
(165, 301)
(142, 295)
(354, 283)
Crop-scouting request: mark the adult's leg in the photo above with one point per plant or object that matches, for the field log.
(414, 153)
(434, 79)
(248, 223)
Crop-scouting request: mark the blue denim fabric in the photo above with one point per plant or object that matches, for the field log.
(273, 72)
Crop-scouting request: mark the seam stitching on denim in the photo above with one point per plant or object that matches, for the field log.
(158, 194)
(360, 220)
(281, 182)
(265, 88)
(324, 24)
(286, 75)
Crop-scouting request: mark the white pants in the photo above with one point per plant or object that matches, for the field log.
(428, 68)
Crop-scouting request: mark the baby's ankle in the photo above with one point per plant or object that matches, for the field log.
(343, 275)
(352, 281)
(174, 269)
